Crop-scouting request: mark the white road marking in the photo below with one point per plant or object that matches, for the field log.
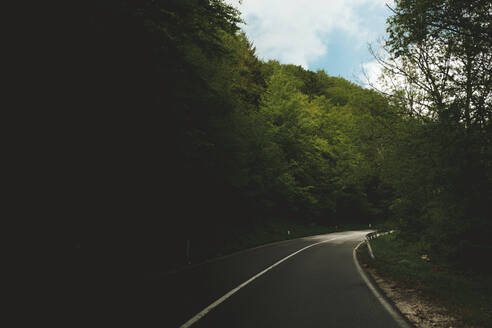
(370, 249)
(206, 310)
(396, 316)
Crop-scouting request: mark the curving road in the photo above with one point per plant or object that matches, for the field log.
(307, 282)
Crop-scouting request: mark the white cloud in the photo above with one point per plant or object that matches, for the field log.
(298, 32)
(371, 71)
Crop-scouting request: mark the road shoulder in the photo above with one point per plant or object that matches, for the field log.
(418, 308)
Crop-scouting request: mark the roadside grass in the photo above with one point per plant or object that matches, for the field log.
(467, 295)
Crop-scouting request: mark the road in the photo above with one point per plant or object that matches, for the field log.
(319, 286)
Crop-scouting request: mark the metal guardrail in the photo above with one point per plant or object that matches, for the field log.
(374, 235)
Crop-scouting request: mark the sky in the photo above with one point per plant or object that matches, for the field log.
(332, 35)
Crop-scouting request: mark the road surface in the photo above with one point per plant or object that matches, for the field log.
(319, 286)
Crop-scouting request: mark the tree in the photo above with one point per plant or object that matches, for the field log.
(438, 65)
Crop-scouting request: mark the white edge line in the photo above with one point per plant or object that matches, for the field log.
(396, 316)
(370, 249)
(206, 310)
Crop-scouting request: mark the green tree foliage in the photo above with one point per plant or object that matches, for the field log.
(440, 162)
(155, 86)
(190, 137)
(328, 177)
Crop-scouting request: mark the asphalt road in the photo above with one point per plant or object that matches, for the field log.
(317, 287)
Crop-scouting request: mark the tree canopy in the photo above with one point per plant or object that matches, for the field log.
(187, 135)
(438, 63)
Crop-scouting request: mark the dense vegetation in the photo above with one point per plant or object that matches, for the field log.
(466, 296)
(439, 55)
(189, 136)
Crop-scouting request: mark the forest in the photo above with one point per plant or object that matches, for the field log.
(181, 133)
